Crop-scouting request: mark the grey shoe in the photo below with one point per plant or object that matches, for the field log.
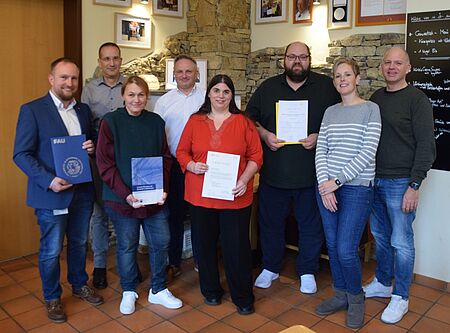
(333, 304)
(355, 312)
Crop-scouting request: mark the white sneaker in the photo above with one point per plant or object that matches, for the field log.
(308, 284)
(128, 299)
(395, 310)
(377, 289)
(165, 298)
(265, 278)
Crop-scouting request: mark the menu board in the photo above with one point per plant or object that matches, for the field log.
(428, 46)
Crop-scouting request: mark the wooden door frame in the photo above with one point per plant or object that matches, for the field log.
(73, 33)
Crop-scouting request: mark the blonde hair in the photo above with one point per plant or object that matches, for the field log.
(349, 61)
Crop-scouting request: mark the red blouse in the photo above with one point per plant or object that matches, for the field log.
(237, 135)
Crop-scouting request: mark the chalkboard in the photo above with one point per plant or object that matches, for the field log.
(428, 46)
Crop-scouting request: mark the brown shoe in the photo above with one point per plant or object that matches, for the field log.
(55, 311)
(89, 295)
(172, 272)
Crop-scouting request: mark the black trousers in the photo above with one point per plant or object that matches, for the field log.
(231, 227)
(178, 208)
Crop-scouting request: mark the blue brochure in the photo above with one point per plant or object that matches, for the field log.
(147, 179)
(71, 161)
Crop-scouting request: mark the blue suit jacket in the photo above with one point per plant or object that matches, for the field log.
(39, 120)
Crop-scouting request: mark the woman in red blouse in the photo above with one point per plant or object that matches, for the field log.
(220, 126)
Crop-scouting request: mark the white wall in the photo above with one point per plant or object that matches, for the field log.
(98, 27)
(316, 35)
(432, 225)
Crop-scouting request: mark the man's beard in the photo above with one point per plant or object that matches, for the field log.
(297, 77)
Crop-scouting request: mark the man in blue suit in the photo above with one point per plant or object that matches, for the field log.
(61, 208)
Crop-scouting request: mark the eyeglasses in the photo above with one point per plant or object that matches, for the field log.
(293, 57)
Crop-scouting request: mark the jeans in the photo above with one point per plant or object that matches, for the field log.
(394, 235)
(100, 235)
(75, 225)
(156, 231)
(343, 231)
(273, 209)
(231, 227)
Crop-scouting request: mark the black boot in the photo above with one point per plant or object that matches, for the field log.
(333, 304)
(355, 313)
(100, 281)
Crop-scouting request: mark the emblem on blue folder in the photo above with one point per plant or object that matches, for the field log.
(73, 167)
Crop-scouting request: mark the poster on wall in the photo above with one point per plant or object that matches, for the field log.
(378, 12)
(428, 46)
(132, 31)
(340, 14)
(271, 11)
(303, 11)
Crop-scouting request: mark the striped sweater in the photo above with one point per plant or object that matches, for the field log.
(347, 143)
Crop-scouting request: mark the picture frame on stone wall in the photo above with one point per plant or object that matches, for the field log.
(302, 11)
(271, 11)
(340, 14)
(116, 3)
(202, 79)
(132, 31)
(172, 8)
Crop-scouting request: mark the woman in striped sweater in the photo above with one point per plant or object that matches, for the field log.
(345, 166)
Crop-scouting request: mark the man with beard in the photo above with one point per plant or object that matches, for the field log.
(288, 175)
(62, 209)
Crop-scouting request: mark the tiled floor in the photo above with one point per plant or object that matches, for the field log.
(281, 306)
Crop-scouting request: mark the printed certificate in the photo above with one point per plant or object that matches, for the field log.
(292, 121)
(221, 177)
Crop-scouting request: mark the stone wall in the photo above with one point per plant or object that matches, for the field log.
(366, 49)
(226, 49)
(218, 31)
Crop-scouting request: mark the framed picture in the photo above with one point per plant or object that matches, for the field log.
(340, 14)
(117, 3)
(202, 80)
(271, 11)
(380, 12)
(302, 11)
(168, 7)
(132, 31)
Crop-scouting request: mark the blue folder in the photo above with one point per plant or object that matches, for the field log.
(71, 161)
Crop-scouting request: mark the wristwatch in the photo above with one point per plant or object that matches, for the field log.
(338, 182)
(414, 185)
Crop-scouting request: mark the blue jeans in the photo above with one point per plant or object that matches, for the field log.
(100, 235)
(274, 205)
(394, 235)
(343, 231)
(75, 225)
(156, 231)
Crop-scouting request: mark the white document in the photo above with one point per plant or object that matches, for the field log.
(292, 120)
(372, 7)
(394, 7)
(221, 177)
